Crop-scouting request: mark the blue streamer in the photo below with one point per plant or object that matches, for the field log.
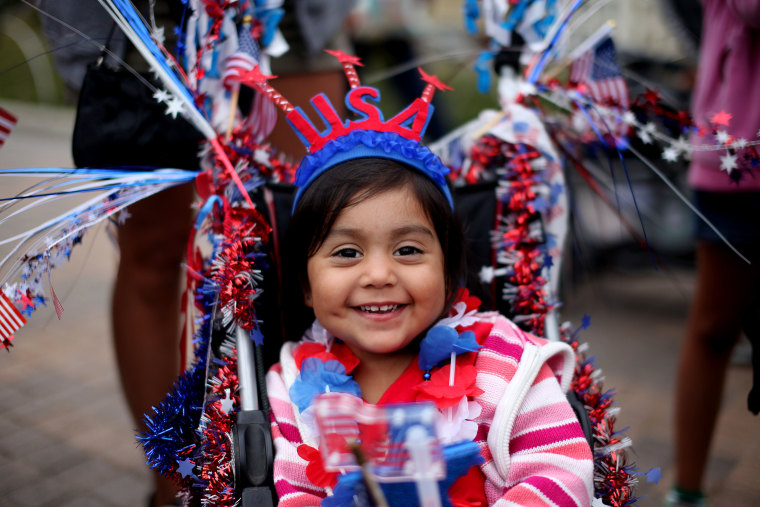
(612, 173)
(105, 173)
(270, 20)
(516, 13)
(534, 73)
(471, 13)
(483, 70)
(207, 207)
(93, 189)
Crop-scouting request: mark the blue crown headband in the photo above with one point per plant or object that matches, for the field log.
(368, 136)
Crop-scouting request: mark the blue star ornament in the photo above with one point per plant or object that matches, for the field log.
(653, 475)
(185, 468)
(257, 336)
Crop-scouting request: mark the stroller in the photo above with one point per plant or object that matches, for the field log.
(508, 191)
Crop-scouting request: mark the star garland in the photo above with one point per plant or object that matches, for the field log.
(654, 121)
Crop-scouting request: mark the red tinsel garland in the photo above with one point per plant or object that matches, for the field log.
(516, 238)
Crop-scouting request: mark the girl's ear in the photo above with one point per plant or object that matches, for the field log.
(306, 291)
(307, 295)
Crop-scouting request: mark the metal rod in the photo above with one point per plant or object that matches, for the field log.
(249, 393)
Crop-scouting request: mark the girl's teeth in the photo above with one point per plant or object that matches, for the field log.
(376, 309)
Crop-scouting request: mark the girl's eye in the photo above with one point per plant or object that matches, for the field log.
(347, 253)
(408, 250)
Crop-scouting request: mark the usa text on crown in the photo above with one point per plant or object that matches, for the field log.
(361, 100)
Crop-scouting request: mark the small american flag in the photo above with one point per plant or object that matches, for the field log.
(598, 70)
(244, 59)
(11, 319)
(525, 133)
(7, 122)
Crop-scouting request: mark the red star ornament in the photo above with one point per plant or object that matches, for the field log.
(684, 118)
(5, 343)
(252, 77)
(433, 80)
(722, 118)
(438, 390)
(651, 96)
(26, 302)
(344, 58)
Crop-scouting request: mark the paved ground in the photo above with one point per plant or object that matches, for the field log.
(66, 438)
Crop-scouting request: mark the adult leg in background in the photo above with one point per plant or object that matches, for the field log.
(723, 292)
(146, 304)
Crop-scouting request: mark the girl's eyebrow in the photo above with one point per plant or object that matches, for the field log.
(353, 232)
(413, 229)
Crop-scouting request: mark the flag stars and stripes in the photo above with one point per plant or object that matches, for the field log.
(597, 69)
(670, 154)
(244, 59)
(161, 95)
(645, 133)
(728, 162)
(174, 106)
(722, 137)
(683, 145)
(11, 319)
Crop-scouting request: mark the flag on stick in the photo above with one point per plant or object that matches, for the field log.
(11, 319)
(598, 70)
(244, 59)
(597, 74)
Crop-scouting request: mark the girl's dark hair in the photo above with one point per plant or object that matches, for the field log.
(348, 184)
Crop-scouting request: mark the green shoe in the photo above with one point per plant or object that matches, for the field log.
(677, 497)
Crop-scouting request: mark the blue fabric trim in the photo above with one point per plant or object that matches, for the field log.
(372, 144)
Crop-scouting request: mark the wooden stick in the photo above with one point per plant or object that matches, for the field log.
(372, 486)
(233, 107)
(489, 125)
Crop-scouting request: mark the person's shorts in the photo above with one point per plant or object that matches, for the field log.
(736, 215)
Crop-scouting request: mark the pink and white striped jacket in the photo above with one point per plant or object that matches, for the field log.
(534, 449)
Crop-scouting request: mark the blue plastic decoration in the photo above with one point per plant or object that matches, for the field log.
(441, 341)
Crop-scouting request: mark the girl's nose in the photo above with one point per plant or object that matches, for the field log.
(378, 272)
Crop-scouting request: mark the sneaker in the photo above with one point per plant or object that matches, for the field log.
(678, 498)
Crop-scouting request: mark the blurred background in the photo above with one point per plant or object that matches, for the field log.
(65, 434)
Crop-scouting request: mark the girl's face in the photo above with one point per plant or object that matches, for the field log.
(377, 282)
